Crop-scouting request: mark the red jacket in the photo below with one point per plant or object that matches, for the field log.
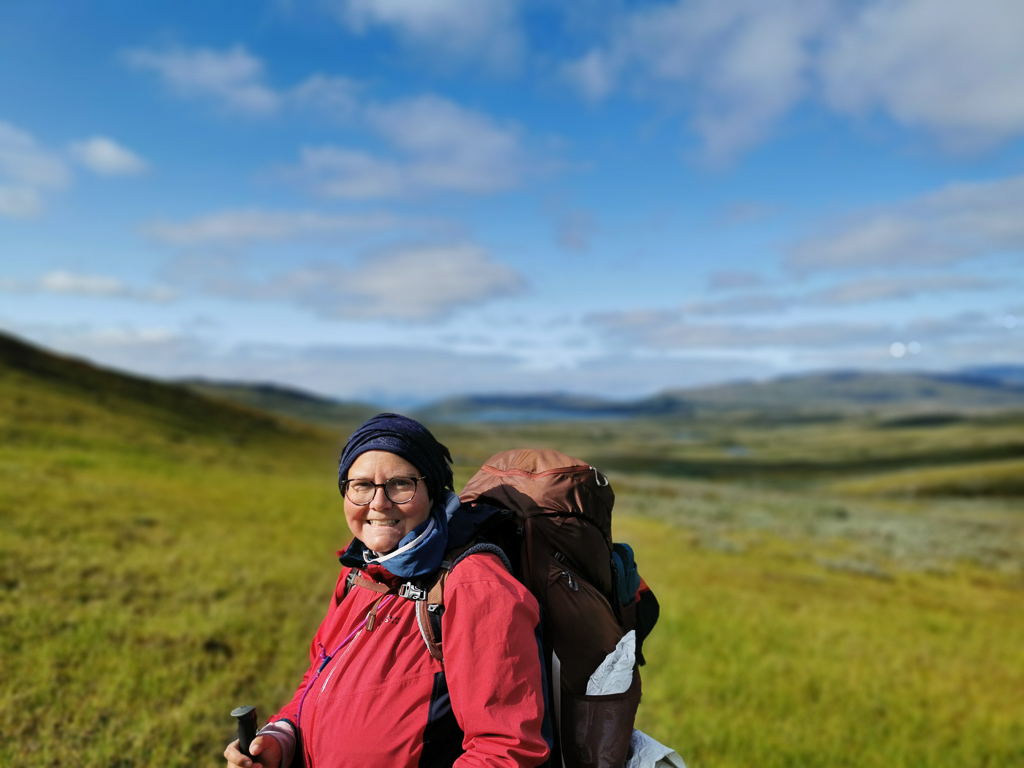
(382, 700)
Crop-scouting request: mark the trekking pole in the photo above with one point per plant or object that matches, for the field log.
(246, 717)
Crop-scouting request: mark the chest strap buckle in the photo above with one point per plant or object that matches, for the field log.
(411, 592)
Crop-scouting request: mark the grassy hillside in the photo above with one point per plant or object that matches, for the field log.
(286, 402)
(139, 525)
(165, 557)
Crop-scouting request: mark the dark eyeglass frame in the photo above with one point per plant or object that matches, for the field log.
(345, 484)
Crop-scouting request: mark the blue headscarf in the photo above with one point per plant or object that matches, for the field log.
(420, 551)
(407, 438)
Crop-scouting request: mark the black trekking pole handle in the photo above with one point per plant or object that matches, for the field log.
(246, 717)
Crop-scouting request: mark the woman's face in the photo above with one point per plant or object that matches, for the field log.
(382, 524)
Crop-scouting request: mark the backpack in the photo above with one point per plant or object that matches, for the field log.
(548, 516)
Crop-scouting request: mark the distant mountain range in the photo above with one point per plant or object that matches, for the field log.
(816, 395)
(285, 401)
(809, 395)
(841, 392)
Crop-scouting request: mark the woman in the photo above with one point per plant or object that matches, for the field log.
(373, 695)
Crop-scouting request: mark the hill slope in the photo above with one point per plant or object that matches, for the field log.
(56, 396)
(286, 401)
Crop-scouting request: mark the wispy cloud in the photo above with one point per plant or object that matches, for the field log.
(885, 289)
(934, 342)
(334, 95)
(233, 77)
(439, 146)
(954, 224)
(351, 174)
(107, 158)
(738, 65)
(487, 32)
(435, 143)
(254, 225)
(403, 283)
(845, 294)
(422, 282)
(67, 283)
(28, 171)
(673, 330)
(950, 68)
(384, 368)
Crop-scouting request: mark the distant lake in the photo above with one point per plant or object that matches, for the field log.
(506, 416)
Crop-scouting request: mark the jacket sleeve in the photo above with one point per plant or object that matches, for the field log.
(494, 667)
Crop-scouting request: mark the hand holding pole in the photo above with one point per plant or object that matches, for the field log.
(246, 717)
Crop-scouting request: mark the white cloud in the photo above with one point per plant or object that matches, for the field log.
(337, 96)
(351, 174)
(952, 67)
(943, 343)
(440, 145)
(260, 225)
(742, 304)
(672, 330)
(486, 31)
(107, 158)
(27, 171)
(88, 285)
(956, 223)
(406, 283)
(427, 281)
(436, 143)
(233, 77)
(885, 289)
(737, 67)
(391, 375)
(453, 147)
(851, 293)
(91, 286)
(594, 73)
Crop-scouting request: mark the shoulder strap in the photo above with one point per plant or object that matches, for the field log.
(428, 614)
(355, 579)
(430, 608)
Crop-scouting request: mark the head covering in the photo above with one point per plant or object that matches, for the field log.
(403, 437)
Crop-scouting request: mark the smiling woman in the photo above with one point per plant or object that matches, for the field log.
(368, 663)
(383, 501)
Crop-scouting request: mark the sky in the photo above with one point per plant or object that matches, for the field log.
(400, 201)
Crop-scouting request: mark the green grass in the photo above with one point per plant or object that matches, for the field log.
(766, 659)
(164, 558)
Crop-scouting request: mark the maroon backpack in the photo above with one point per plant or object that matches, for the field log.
(548, 516)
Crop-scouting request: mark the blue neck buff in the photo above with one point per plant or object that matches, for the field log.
(420, 551)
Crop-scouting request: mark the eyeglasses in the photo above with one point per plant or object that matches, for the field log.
(399, 490)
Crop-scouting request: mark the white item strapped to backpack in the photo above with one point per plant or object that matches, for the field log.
(648, 753)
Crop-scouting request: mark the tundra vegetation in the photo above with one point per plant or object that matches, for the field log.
(835, 591)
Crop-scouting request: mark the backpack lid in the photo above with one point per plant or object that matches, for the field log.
(544, 481)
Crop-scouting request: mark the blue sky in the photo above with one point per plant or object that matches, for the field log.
(399, 201)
